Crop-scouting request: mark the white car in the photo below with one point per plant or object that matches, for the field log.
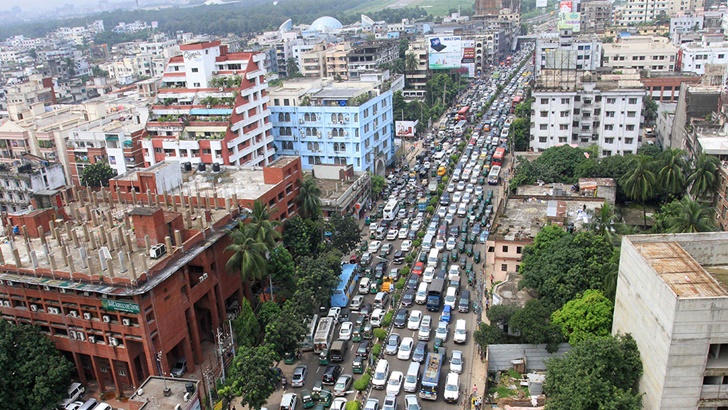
(339, 403)
(394, 383)
(456, 197)
(356, 302)
(450, 243)
(456, 361)
(390, 403)
(478, 190)
(403, 233)
(466, 197)
(439, 244)
(345, 331)
(428, 275)
(392, 234)
(374, 246)
(449, 218)
(410, 402)
(376, 318)
(469, 189)
(413, 323)
(424, 332)
(416, 225)
(442, 331)
(442, 211)
(452, 208)
(406, 246)
(451, 188)
(405, 348)
(461, 185)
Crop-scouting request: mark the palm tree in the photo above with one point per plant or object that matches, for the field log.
(263, 229)
(602, 221)
(610, 272)
(639, 185)
(671, 173)
(248, 256)
(690, 216)
(702, 181)
(410, 63)
(309, 201)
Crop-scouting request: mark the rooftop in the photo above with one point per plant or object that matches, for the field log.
(152, 393)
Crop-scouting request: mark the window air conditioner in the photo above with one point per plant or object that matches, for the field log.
(126, 322)
(106, 319)
(87, 316)
(73, 313)
(34, 308)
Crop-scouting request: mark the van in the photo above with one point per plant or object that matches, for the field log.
(376, 318)
(364, 286)
(381, 374)
(75, 391)
(380, 301)
(425, 328)
(433, 257)
(427, 242)
(452, 388)
(338, 350)
(410, 379)
(464, 301)
(461, 333)
(89, 404)
(421, 295)
(289, 401)
(451, 297)
(463, 207)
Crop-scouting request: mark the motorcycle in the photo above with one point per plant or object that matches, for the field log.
(284, 381)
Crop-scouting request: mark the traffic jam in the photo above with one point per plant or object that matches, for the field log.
(424, 351)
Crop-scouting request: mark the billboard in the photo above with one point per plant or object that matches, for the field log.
(541, 3)
(570, 21)
(565, 6)
(405, 128)
(444, 52)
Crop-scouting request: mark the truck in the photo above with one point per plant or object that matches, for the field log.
(422, 204)
(431, 377)
(434, 294)
(338, 350)
(324, 334)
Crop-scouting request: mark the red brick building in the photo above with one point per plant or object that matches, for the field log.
(666, 88)
(129, 275)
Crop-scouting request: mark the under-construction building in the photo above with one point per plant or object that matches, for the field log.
(497, 9)
(569, 54)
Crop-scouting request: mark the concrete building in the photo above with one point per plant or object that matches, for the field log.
(417, 80)
(326, 122)
(645, 11)
(695, 102)
(568, 52)
(652, 53)
(168, 393)
(665, 86)
(370, 56)
(685, 23)
(343, 191)
(212, 107)
(326, 61)
(596, 16)
(593, 109)
(21, 97)
(31, 176)
(672, 298)
(136, 278)
(694, 57)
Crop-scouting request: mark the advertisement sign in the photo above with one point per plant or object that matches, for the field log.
(405, 128)
(565, 6)
(541, 3)
(570, 21)
(119, 306)
(444, 52)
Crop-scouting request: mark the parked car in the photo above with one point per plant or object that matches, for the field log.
(299, 376)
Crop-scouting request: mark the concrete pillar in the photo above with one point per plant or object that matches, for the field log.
(90, 267)
(174, 202)
(127, 222)
(149, 197)
(207, 202)
(132, 269)
(130, 242)
(2, 257)
(41, 233)
(178, 239)
(188, 219)
(110, 241)
(109, 218)
(93, 241)
(64, 254)
(156, 200)
(147, 243)
(110, 266)
(134, 197)
(74, 192)
(24, 230)
(16, 257)
(199, 200)
(118, 195)
(168, 243)
(69, 263)
(214, 200)
(74, 237)
(87, 210)
(144, 264)
(102, 234)
(95, 218)
(52, 226)
(94, 199)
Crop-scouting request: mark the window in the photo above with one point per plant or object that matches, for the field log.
(630, 127)
(505, 248)
(564, 114)
(542, 139)
(631, 114)
(544, 114)
(632, 101)
(543, 127)
(608, 127)
(519, 249)
(628, 140)
(564, 101)
(195, 69)
(610, 114)
(609, 140)
(563, 127)
(606, 153)
(544, 101)
(611, 100)
(504, 267)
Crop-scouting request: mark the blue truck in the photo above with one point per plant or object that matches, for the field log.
(435, 294)
(431, 377)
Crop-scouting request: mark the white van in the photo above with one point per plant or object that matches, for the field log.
(452, 388)
(425, 328)
(381, 374)
(75, 391)
(421, 295)
(451, 297)
(461, 333)
(427, 242)
(462, 209)
(364, 286)
(289, 401)
(433, 257)
(376, 318)
(410, 379)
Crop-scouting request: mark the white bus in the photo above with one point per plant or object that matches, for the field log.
(433, 257)
(494, 175)
(391, 209)
(307, 342)
(324, 334)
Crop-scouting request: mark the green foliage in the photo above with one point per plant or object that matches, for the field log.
(319, 277)
(685, 216)
(377, 349)
(285, 332)
(268, 312)
(589, 315)
(401, 282)
(380, 333)
(556, 164)
(378, 183)
(535, 327)
(598, 373)
(387, 319)
(292, 68)
(520, 133)
(362, 383)
(404, 271)
(251, 376)
(248, 254)
(560, 266)
(34, 374)
(703, 181)
(309, 198)
(345, 232)
(245, 326)
(353, 405)
(111, 37)
(640, 184)
(281, 270)
(97, 175)
(416, 243)
(301, 236)
(487, 334)
(430, 209)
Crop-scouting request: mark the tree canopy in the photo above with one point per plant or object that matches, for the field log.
(345, 232)
(97, 175)
(589, 315)
(245, 326)
(560, 265)
(253, 377)
(33, 373)
(598, 373)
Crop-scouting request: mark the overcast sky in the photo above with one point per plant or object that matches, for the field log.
(30, 5)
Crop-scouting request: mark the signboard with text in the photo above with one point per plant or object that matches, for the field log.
(405, 128)
(120, 306)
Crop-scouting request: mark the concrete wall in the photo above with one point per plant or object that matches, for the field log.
(500, 356)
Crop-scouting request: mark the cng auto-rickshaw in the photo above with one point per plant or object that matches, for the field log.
(307, 399)
(324, 357)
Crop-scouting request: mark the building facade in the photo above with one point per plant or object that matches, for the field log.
(370, 56)
(212, 107)
(20, 183)
(596, 16)
(694, 57)
(568, 52)
(652, 53)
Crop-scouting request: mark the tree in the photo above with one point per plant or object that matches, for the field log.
(687, 216)
(34, 374)
(285, 332)
(345, 232)
(521, 134)
(589, 315)
(410, 63)
(268, 312)
(317, 276)
(602, 221)
(281, 269)
(245, 326)
(650, 110)
(302, 236)
(292, 67)
(500, 315)
(671, 173)
(533, 322)
(97, 175)
(639, 185)
(378, 183)
(248, 256)
(253, 377)
(263, 229)
(702, 181)
(559, 265)
(598, 373)
(309, 201)
(523, 110)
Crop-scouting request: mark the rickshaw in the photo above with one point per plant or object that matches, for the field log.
(289, 357)
(367, 272)
(469, 267)
(374, 286)
(324, 357)
(367, 333)
(364, 245)
(316, 391)
(359, 365)
(356, 335)
(437, 347)
(325, 398)
(469, 249)
(307, 399)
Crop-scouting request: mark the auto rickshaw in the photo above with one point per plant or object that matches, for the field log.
(356, 334)
(324, 357)
(374, 286)
(325, 398)
(364, 244)
(358, 365)
(476, 257)
(307, 399)
(316, 391)
(289, 357)
(437, 345)
(367, 333)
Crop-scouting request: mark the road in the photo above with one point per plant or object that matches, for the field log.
(315, 371)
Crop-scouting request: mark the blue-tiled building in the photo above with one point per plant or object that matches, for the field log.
(327, 122)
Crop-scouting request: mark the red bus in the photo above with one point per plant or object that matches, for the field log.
(509, 60)
(498, 157)
(463, 113)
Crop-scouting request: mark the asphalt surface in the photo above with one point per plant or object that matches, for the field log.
(469, 349)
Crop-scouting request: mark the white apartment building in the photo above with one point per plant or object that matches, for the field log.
(654, 53)
(568, 52)
(128, 69)
(645, 11)
(605, 111)
(711, 50)
(685, 23)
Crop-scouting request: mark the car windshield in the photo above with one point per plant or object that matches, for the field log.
(456, 360)
(451, 387)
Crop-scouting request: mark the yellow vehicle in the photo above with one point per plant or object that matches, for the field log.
(387, 284)
(441, 171)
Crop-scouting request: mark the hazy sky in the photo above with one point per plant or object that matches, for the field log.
(30, 5)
